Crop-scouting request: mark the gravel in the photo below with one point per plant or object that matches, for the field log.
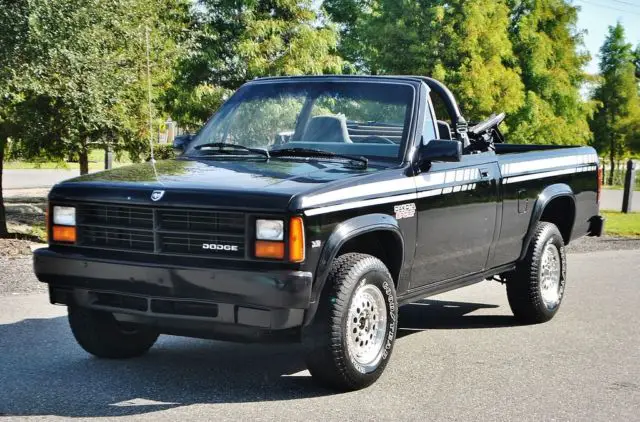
(16, 277)
(15, 248)
(604, 243)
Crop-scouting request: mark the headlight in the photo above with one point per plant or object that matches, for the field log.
(269, 229)
(64, 216)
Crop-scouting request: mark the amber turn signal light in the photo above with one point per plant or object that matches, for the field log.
(65, 234)
(271, 250)
(296, 240)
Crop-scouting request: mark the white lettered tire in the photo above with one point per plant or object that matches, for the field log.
(354, 331)
(536, 289)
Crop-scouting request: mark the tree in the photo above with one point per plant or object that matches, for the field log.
(351, 17)
(618, 111)
(549, 52)
(636, 61)
(93, 66)
(237, 41)
(14, 59)
(464, 43)
(73, 74)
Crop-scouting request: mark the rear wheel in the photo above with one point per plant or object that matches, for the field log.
(100, 334)
(536, 289)
(354, 330)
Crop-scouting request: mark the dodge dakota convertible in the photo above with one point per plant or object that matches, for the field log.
(308, 209)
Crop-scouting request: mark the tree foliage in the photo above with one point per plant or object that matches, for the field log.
(519, 56)
(549, 53)
(235, 41)
(73, 74)
(13, 57)
(87, 71)
(464, 43)
(616, 122)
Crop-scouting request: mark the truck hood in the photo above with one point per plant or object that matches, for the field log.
(228, 183)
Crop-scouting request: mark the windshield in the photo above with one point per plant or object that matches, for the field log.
(353, 118)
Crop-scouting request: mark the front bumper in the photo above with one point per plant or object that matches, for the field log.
(197, 302)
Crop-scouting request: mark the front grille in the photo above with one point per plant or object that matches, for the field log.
(162, 230)
(116, 216)
(201, 221)
(112, 238)
(202, 244)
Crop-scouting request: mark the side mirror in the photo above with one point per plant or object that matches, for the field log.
(180, 142)
(439, 150)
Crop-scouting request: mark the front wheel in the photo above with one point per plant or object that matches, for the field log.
(536, 289)
(100, 334)
(354, 330)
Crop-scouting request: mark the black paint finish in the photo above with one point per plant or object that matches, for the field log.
(437, 225)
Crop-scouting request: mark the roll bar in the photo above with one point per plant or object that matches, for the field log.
(459, 122)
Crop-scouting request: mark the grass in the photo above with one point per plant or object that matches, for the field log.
(620, 224)
(96, 162)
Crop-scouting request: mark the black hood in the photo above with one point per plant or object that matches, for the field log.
(228, 183)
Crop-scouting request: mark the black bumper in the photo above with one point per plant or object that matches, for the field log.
(596, 226)
(197, 302)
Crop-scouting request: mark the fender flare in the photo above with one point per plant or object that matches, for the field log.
(341, 234)
(544, 198)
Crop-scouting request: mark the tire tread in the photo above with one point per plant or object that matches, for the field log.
(523, 289)
(326, 359)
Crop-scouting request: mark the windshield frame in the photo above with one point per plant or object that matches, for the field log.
(231, 105)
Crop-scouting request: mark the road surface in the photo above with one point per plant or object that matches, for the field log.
(30, 179)
(612, 200)
(460, 356)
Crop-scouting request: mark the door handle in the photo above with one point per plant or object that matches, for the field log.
(484, 173)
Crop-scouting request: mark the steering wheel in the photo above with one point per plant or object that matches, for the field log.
(377, 139)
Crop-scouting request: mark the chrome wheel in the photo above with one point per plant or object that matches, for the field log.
(550, 276)
(366, 327)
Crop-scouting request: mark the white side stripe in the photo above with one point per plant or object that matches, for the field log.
(377, 188)
(548, 174)
(511, 173)
(389, 186)
(427, 193)
(360, 204)
(511, 169)
(397, 198)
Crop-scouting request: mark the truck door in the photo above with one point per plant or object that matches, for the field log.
(457, 208)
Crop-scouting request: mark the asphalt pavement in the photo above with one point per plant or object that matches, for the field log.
(612, 200)
(30, 179)
(459, 356)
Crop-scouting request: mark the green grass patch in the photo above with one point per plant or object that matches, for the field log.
(96, 162)
(620, 224)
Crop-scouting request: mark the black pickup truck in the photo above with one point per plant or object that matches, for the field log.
(308, 209)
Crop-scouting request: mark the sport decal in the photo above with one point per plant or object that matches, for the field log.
(405, 211)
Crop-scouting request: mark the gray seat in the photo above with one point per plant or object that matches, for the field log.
(326, 129)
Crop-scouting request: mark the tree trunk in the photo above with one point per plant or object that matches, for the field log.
(3, 218)
(612, 161)
(83, 159)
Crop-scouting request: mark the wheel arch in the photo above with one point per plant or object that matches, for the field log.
(555, 204)
(368, 234)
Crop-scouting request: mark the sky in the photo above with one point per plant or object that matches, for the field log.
(597, 15)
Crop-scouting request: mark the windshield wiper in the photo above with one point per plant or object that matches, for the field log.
(222, 145)
(309, 152)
